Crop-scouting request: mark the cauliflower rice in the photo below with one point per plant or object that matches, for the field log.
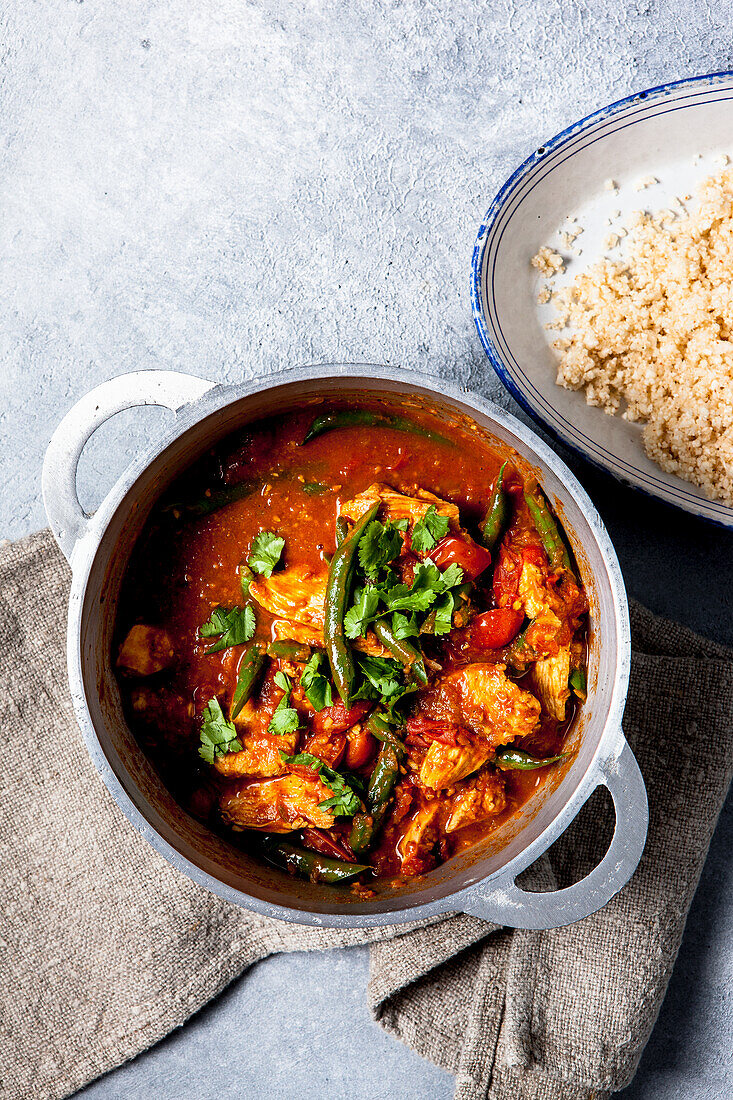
(652, 337)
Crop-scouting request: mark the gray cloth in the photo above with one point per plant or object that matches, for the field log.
(104, 948)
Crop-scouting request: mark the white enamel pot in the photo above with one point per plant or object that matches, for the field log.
(480, 881)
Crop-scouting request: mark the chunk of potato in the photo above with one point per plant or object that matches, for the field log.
(480, 697)
(397, 506)
(145, 650)
(478, 798)
(444, 765)
(278, 805)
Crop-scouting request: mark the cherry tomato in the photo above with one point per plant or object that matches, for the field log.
(328, 745)
(497, 628)
(506, 578)
(319, 841)
(471, 557)
(359, 748)
(427, 730)
(337, 719)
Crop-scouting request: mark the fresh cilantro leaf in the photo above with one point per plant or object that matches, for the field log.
(233, 626)
(397, 708)
(379, 544)
(452, 576)
(443, 619)
(428, 530)
(283, 682)
(382, 673)
(345, 802)
(363, 611)
(402, 627)
(285, 719)
(246, 576)
(316, 686)
(401, 524)
(421, 594)
(265, 552)
(218, 736)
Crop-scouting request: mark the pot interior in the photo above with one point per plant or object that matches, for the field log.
(217, 862)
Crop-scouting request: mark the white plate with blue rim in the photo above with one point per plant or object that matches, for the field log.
(655, 146)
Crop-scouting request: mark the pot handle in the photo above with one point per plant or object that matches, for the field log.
(508, 905)
(167, 388)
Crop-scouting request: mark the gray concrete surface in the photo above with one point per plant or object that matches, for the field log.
(223, 186)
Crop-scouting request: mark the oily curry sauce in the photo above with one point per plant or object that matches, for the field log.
(445, 725)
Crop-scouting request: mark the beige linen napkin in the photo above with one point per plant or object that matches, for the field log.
(104, 948)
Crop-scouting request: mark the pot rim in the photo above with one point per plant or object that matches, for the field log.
(611, 743)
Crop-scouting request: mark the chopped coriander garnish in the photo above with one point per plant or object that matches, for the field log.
(427, 583)
(378, 546)
(384, 675)
(265, 552)
(443, 619)
(233, 626)
(316, 686)
(285, 719)
(428, 530)
(366, 605)
(345, 802)
(246, 576)
(218, 736)
(404, 627)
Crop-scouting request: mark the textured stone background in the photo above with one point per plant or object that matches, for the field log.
(221, 187)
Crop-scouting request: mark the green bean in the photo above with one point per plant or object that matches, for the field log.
(519, 651)
(289, 650)
(403, 650)
(518, 760)
(384, 776)
(497, 514)
(382, 730)
(383, 780)
(547, 528)
(578, 683)
(310, 865)
(338, 595)
(249, 671)
(342, 530)
(351, 418)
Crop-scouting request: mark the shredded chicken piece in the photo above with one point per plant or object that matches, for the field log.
(481, 697)
(296, 593)
(260, 756)
(397, 506)
(478, 798)
(550, 678)
(419, 838)
(145, 650)
(278, 805)
(444, 765)
(308, 635)
(535, 594)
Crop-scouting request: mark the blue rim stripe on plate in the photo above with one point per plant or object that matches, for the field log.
(617, 116)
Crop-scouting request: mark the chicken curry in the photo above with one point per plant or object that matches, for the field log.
(355, 639)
